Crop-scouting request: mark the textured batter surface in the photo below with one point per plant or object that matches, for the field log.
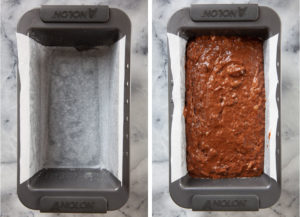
(225, 107)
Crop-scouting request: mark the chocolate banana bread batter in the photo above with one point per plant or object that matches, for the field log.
(225, 107)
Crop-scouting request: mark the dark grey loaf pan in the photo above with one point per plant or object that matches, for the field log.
(75, 185)
(232, 193)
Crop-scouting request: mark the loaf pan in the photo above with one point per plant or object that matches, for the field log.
(243, 194)
(73, 108)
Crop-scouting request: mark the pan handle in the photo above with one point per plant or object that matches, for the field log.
(73, 204)
(224, 12)
(225, 203)
(74, 13)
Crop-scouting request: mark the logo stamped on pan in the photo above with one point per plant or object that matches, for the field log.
(224, 204)
(224, 12)
(76, 14)
(73, 205)
(239, 12)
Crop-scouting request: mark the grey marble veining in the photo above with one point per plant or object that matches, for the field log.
(288, 205)
(11, 11)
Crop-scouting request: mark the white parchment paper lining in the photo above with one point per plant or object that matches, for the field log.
(71, 107)
(177, 48)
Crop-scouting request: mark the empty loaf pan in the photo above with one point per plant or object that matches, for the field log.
(73, 108)
(240, 193)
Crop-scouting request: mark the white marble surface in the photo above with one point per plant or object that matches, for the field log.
(288, 205)
(11, 11)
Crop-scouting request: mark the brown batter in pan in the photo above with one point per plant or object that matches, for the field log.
(225, 107)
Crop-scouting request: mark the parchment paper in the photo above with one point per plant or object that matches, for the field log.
(177, 48)
(71, 107)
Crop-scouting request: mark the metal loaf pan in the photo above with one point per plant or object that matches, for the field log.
(232, 193)
(79, 188)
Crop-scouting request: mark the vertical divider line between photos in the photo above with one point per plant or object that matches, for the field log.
(1, 85)
(298, 98)
(150, 108)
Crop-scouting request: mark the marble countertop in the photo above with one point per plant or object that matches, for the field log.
(288, 205)
(11, 11)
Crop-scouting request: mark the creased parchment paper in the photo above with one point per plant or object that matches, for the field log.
(71, 107)
(177, 52)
